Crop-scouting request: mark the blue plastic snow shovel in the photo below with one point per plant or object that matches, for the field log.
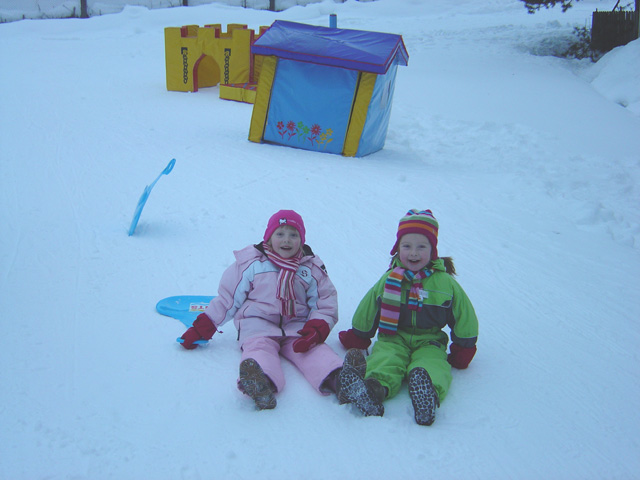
(145, 195)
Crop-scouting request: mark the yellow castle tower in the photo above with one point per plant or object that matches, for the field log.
(203, 57)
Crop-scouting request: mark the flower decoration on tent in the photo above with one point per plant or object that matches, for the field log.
(314, 134)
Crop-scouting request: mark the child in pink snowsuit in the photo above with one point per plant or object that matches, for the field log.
(283, 304)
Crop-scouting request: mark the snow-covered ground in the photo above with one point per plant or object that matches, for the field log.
(531, 164)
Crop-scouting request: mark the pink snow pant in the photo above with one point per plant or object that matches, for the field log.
(315, 365)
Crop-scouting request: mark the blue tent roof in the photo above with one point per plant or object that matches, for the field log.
(354, 49)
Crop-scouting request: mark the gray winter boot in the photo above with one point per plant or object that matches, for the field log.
(423, 396)
(353, 389)
(256, 384)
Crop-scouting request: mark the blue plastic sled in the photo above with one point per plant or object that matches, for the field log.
(185, 308)
(145, 195)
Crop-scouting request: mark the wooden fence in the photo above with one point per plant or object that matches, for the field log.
(612, 29)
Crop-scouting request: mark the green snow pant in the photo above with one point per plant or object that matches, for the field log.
(394, 356)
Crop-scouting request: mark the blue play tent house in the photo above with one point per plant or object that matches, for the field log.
(325, 89)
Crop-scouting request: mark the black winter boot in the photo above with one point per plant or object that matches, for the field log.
(376, 389)
(256, 384)
(353, 389)
(423, 396)
(355, 360)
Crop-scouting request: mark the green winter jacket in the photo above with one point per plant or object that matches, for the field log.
(444, 303)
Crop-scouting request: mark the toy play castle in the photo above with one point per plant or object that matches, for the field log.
(203, 57)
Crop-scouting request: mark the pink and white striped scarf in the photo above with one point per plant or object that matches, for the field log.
(288, 268)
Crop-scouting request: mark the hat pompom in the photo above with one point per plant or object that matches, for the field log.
(422, 222)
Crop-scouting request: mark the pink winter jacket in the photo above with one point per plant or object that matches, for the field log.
(247, 293)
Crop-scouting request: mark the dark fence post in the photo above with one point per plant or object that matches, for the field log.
(637, 18)
(272, 5)
(185, 3)
(83, 9)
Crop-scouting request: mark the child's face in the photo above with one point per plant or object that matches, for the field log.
(285, 241)
(414, 251)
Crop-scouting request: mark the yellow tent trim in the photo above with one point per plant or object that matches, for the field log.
(263, 97)
(239, 92)
(366, 82)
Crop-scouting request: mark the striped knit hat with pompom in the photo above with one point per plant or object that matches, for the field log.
(419, 221)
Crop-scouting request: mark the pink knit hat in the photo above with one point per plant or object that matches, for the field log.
(419, 221)
(285, 217)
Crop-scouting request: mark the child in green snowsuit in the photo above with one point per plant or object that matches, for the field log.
(409, 306)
